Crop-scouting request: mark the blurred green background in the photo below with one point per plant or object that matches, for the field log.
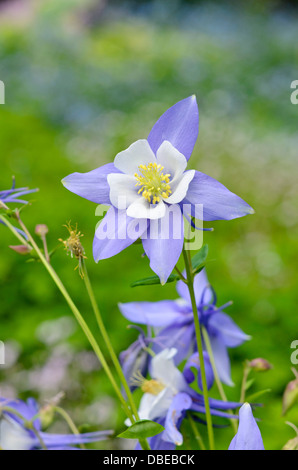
(83, 81)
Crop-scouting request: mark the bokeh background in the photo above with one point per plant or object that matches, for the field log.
(84, 79)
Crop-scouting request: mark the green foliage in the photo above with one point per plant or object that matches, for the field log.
(152, 280)
(142, 430)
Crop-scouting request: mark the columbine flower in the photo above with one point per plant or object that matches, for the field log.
(167, 397)
(148, 183)
(14, 435)
(248, 436)
(174, 321)
(14, 195)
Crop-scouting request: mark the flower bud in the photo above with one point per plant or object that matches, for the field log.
(41, 230)
(290, 396)
(46, 415)
(21, 249)
(259, 364)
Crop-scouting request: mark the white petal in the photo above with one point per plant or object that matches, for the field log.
(164, 370)
(141, 209)
(161, 404)
(180, 189)
(13, 436)
(171, 159)
(139, 153)
(122, 190)
(146, 405)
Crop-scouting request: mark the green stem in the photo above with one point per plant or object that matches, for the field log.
(180, 274)
(246, 372)
(15, 232)
(109, 346)
(69, 421)
(216, 376)
(189, 276)
(196, 432)
(80, 320)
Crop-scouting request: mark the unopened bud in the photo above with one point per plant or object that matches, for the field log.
(290, 396)
(46, 415)
(259, 364)
(21, 249)
(41, 230)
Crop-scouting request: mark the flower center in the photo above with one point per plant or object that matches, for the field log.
(154, 387)
(154, 184)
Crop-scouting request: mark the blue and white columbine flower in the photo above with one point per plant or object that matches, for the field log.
(173, 320)
(248, 436)
(167, 397)
(148, 182)
(15, 436)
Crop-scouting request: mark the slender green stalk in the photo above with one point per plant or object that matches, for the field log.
(79, 318)
(196, 432)
(189, 276)
(15, 232)
(45, 247)
(69, 421)
(246, 372)
(216, 376)
(131, 415)
(109, 345)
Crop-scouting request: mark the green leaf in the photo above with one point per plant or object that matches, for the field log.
(252, 397)
(142, 429)
(199, 258)
(149, 281)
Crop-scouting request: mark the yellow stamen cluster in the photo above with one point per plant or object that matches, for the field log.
(154, 387)
(74, 246)
(154, 184)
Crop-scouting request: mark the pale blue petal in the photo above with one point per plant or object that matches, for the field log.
(179, 125)
(218, 202)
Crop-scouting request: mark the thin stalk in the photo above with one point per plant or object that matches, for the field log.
(246, 371)
(79, 318)
(69, 421)
(180, 274)
(216, 376)
(45, 247)
(109, 345)
(15, 232)
(189, 276)
(85, 328)
(196, 432)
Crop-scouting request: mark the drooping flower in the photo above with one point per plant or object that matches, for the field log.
(248, 436)
(14, 435)
(173, 321)
(167, 397)
(148, 189)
